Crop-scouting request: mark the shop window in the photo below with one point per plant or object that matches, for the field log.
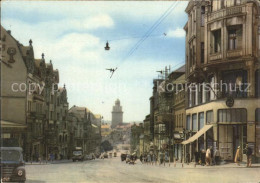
(257, 83)
(232, 115)
(188, 123)
(234, 83)
(209, 117)
(216, 41)
(201, 120)
(194, 122)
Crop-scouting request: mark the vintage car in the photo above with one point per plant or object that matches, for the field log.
(77, 154)
(12, 165)
(123, 157)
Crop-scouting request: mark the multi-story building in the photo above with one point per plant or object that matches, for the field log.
(222, 64)
(136, 132)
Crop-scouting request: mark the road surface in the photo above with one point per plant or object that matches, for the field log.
(115, 171)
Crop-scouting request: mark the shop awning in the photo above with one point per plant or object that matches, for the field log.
(9, 124)
(197, 135)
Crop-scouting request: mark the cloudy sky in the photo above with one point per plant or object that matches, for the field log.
(73, 34)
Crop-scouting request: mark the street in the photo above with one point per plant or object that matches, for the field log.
(113, 170)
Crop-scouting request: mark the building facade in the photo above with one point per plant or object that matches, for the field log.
(222, 66)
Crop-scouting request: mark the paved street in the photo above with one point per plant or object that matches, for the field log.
(113, 170)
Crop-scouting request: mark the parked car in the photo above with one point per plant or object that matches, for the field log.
(12, 165)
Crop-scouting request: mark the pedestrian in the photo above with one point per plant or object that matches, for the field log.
(212, 161)
(141, 158)
(154, 159)
(238, 156)
(161, 158)
(165, 158)
(249, 153)
(208, 157)
(203, 157)
(148, 159)
(217, 156)
(196, 154)
(188, 158)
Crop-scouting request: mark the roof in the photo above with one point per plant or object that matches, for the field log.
(180, 79)
(79, 110)
(37, 62)
(180, 69)
(105, 126)
(97, 116)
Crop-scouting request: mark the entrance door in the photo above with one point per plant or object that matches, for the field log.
(226, 142)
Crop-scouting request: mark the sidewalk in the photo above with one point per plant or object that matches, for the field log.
(48, 162)
(192, 165)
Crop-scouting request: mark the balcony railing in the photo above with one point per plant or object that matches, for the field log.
(215, 56)
(234, 53)
(226, 12)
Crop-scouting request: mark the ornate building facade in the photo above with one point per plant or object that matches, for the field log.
(222, 62)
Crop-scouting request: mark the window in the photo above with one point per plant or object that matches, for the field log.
(194, 122)
(202, 53)
(234, 83)
(188, 123)
(201, 120)
(257, 83)
(232, 115)
(216, 41)
(234, 37)
(209, 117)
(200, 93)
(202, 15)
(257, 116)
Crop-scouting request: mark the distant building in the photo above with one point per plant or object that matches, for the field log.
(117, 114)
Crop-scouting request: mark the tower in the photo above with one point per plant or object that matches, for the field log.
(117, 114)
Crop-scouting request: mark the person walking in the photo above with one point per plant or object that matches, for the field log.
(161, 158)
(238, 156)
(141, 158)
(217, 156)
(203, 157)
(149, 159)
(249, 153)
(212, 161)
(165, 158)
(208, 157)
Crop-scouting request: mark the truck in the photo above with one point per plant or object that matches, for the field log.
(12, 165)
(77, 154)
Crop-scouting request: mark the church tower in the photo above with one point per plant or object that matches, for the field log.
(117, 114)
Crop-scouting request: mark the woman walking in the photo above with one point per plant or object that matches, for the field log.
(238, 156)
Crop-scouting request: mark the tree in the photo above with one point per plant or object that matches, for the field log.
(106, 146)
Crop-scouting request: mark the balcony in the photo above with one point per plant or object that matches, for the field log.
(215, 56)
(234, 53)
(226, 12)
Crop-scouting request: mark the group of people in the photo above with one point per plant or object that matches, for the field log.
(248, 151)
(151, 158)
(208, 157)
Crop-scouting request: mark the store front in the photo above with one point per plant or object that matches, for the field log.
(232, 131)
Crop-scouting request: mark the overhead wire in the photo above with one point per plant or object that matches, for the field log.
(148, 33)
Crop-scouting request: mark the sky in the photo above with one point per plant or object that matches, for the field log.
(73, 35)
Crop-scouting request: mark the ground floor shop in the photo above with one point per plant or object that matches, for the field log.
(218, 127)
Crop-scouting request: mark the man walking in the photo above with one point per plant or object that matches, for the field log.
(217, 156)
(208, 157)
(249, 153)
